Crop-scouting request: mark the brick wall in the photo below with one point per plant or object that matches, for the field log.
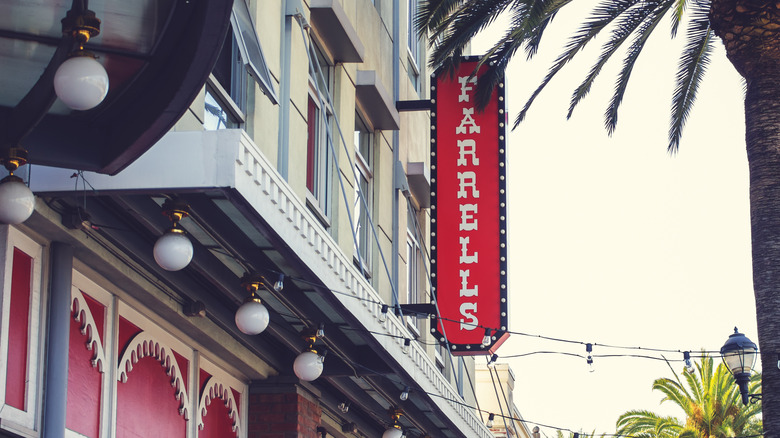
(282, 411)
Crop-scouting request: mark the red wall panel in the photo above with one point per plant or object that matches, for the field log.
(147, 405)
(19, 328)
(84, 380)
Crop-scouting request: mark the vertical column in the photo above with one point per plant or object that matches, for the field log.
(283, 409)
(56, 383)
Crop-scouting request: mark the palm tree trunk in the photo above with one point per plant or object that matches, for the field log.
(750, 31)
(762, 120)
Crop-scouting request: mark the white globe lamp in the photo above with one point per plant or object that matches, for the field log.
(252, 317)
(173, 250)
(393, 432)
(17, 201)
(308, 365)
(81, 82)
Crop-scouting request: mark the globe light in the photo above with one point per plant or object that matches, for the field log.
(81, 82)
(308, 365)
(17, 201)
(252, 317)
(173, 250)
(393, 432)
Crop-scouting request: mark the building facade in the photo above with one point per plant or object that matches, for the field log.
(296, 181)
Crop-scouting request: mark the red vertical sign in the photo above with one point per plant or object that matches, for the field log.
(468, 213)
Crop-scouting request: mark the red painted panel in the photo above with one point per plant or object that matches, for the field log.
(19, 329)
(146, 404)
(84, 381)
(468, 218)
(202, 379)
(126, 332)
(217, 423)
(184, 368)
(98, 314)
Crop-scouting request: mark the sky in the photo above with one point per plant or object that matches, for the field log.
(614, 241)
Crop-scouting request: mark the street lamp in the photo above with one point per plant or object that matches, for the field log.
(739, 354)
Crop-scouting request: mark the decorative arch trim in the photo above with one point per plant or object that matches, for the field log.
(214, 388)
(144, 345)
(87, 326)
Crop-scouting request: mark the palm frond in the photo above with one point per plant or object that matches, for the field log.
(677, 17)
(690, 71)
(642, 34)
(431, 13)
(453, 33)
(599, 19)
(625, 25)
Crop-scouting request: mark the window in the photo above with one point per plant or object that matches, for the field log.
(318, 147)
(226, 89)
(413, 266)
(413, 45)
(363, 209)
(241, 57)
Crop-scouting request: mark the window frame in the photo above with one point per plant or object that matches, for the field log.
(364, 166)
(319, 166)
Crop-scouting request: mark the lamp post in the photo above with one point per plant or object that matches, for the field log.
(739, 354)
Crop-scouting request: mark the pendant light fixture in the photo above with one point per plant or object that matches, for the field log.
(309, 365)
(394, 431)
(17, 201)
(173, 250)
(252, 317)
(81, 82)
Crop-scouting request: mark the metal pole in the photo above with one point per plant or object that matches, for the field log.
(56, 381)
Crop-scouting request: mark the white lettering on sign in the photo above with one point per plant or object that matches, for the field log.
(466, 310)
(467, 120)
(467, 179)
(466, 85)
(467, 147)
(466, 215)
(465, 291)
(468, 191)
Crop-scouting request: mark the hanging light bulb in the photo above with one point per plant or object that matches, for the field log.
(489, 422)
(407, 344)
(344, 406)
(589, 349)
(383, 313)
(252, 317)
(81, 82)
(687, 360)
(486, 341)
(405, 393)
(492, 362)
(321, 330)
(279, 285)
(17, 201)
(394, 431)
(173, 250)
(309, 365)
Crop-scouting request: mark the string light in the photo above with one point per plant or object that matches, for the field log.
(279, 284)
(344, 406)
(589, 350)
(486, 341)
(383, 313)
(688, 363)
(407, 343)
(492, 362)
(405, 394)
(489, 422)
(321, 330)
